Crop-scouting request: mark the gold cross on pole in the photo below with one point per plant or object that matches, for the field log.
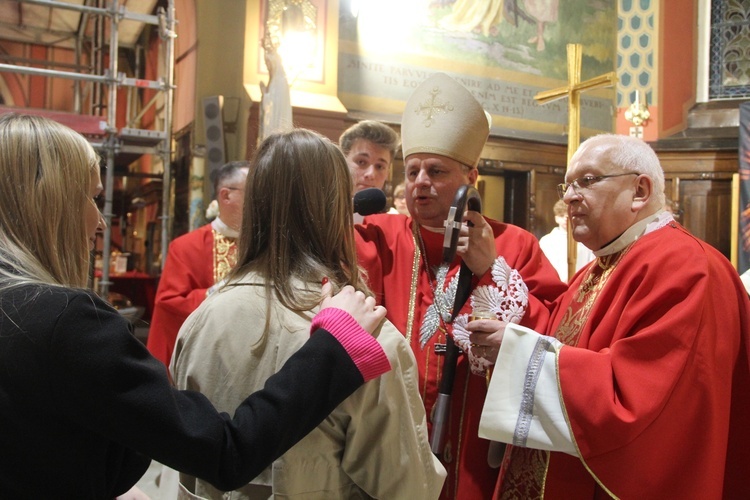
(573, 92)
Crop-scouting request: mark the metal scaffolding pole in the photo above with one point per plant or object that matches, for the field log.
(169, 35)
(113, 142)
(26, 70)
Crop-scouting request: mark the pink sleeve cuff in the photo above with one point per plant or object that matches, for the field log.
(365, 351)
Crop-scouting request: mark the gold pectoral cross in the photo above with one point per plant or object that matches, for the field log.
(573, 92)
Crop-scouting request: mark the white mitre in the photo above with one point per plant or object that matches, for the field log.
(443, 118)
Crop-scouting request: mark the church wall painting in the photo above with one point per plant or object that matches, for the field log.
(493, 47)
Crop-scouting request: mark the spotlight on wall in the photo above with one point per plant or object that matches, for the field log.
(291, 30)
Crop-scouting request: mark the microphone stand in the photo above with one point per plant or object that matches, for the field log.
(466, 195)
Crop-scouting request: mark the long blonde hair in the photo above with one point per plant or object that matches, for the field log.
(297, 218)
(45, 177)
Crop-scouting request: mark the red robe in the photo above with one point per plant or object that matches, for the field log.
(195, 262)
(657, 388)
(386, 250)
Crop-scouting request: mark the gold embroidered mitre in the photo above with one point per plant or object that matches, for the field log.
(442, 117)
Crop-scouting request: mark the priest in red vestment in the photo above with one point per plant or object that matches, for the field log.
(197, 261)
(642, 388)
(443, 132)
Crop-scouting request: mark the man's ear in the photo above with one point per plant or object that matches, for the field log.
(644, 191)
(223, 195)
(472, 175)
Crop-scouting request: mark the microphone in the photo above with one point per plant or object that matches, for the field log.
(369, 201)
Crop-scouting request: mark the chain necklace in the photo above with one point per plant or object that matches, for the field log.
(440, 301)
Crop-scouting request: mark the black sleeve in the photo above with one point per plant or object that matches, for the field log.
(105, 379)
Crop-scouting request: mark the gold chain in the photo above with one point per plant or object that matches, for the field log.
(438, 292)
(413, 289)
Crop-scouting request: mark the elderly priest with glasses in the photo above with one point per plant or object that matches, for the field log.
(641, 387)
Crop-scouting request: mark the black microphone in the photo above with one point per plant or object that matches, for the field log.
(369, 201)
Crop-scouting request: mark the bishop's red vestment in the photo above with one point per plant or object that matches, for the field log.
(196, 261)
(390, 253)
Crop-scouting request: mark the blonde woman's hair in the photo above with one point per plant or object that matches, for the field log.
(297, 221)
(45, 178)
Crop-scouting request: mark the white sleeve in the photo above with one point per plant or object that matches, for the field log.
(524, 404)
(745, 277)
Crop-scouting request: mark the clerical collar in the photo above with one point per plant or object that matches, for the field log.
(220, 227)
(634, 232)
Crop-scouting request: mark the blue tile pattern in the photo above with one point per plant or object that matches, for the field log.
(635, 61)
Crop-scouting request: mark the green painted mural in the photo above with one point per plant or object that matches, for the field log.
(503, 51)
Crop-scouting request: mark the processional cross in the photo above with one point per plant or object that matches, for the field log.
(573, 92)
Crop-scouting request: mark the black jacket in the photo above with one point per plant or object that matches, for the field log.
(84, 407)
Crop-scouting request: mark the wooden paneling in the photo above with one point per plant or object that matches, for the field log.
(328, 123)
(706, 211)
(515, 154)
(699, 183)
(697, 162)
(531, 172)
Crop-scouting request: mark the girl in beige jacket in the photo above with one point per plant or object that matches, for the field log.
(297, 230)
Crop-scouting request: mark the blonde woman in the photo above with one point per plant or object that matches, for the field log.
(83, 406)
(297, 228)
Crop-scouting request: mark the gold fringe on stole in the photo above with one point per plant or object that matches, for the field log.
(224, 255)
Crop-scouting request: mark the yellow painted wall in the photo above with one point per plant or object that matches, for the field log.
(492, 188)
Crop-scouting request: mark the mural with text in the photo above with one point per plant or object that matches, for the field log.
(503, 51)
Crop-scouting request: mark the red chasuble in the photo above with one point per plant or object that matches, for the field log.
(196, 261)
(386, 248)
(663, 336)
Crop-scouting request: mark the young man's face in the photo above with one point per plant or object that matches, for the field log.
(368, 164)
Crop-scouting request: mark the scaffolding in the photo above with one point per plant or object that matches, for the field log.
(126, 140)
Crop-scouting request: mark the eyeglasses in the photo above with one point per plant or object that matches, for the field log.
(585, 182)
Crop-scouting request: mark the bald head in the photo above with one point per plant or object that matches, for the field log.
(628, 154)
(613, 182)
